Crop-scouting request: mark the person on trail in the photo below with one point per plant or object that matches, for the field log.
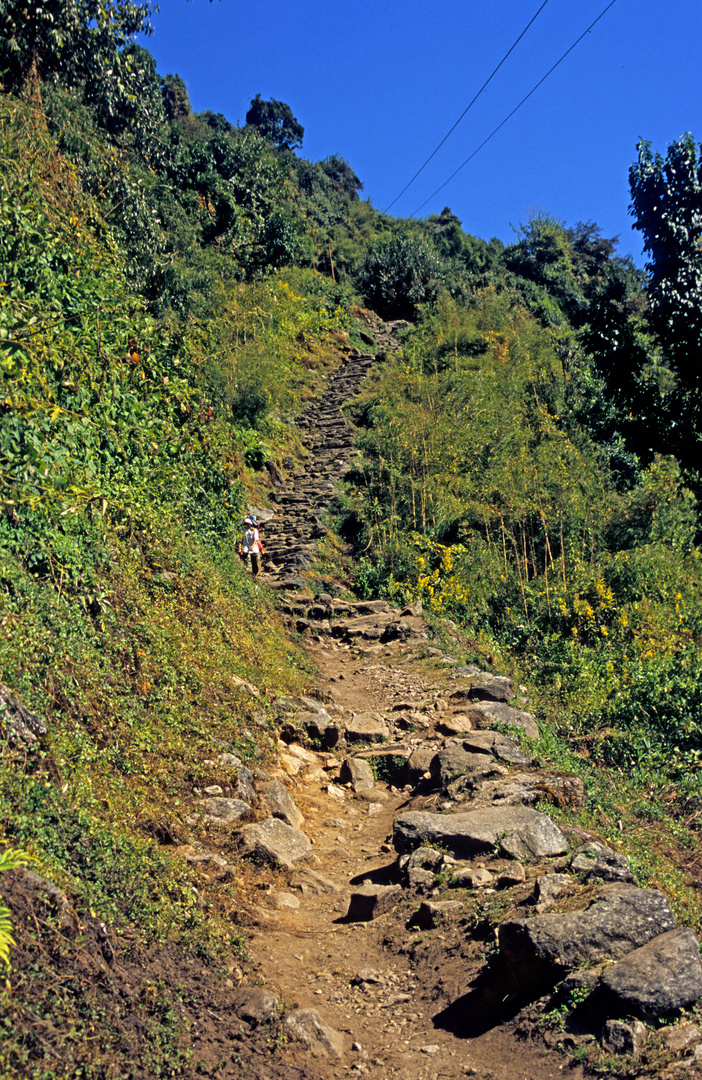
(251, 545)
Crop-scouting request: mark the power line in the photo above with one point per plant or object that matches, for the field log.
(469, 106)
(516, 108)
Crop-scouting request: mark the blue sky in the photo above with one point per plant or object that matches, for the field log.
(382, 82)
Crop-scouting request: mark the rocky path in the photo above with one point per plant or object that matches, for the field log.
(423, 911)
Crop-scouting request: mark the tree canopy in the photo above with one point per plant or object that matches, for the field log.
(275, 121)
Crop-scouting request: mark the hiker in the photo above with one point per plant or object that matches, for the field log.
(251, 545)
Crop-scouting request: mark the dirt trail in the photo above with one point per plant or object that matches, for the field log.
(397, 995)
(382, 985)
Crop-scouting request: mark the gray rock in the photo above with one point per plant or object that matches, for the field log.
(241, 783)
(17, 723)
(680, 1037)
(484, 715)
(307, 1027)
(485, 687)
(281, 804)
(453, 761)
(366, 729)
(309, 882)
(358, 773)
(419, 763)
(275, 843)
(595, 860)
(621, 1038)
(221, 811)
(619, 919)
(519, 831)
(255, 1004)
(528, 789)
(550, 888)
(372, 901)
(654, 980)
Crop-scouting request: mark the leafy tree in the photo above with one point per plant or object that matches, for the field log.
(275, 121)
(175, 97)
(68, 40)
(341, 176)
(666, 202)
(399, 273)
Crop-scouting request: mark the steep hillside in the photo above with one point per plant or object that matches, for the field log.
(460, 457)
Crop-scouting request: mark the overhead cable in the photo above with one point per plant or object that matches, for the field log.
(469, 106)
(516, 108)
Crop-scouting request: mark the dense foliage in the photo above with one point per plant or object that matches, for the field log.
(173, 288)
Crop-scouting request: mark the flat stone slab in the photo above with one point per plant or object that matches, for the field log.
(527, 789)
(619, 919)
(365, 729)
(520, 832)
(657, 979)
(274, 842)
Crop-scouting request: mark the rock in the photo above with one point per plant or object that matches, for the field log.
(654, 980)
(414, 609)
(620, 918)
(255, 1004)
(431, 914)
(242, 783)
(595, 860)
(550, 888)
(281, 804)
(284, 901)
(367, 975)
(621, 1038)
(275, 843)
(222, 811)
(527, 789)
(680, 1037)
(358, 773)
(418, 763)
(486, 713)
(513, 876)
(469, 878)
(458, 724)
(485, 687)
(372, 901)
(17, 723)
(306, 1026)
(309, 882)
(520, 832)
(366, 729)
(453, 762)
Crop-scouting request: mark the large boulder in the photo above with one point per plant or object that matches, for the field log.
(653, 981)
(275, 843)
(520, 832)
(454, 761)
(528, 789)
(620, 918)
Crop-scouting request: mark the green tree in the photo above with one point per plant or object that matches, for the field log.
(275, 121)
(68, 40)
(398, 273)
(666, 202)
